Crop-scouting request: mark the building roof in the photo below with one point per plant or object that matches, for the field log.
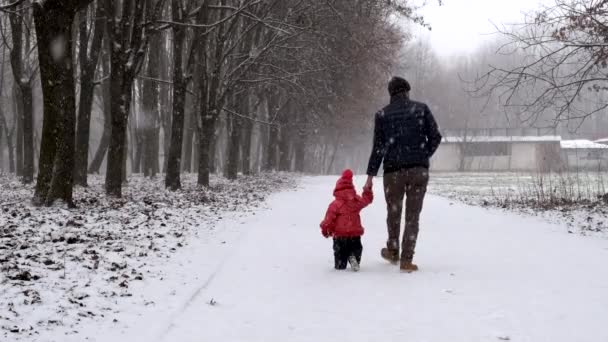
(527, 138)
(582, 144)
(603, 141)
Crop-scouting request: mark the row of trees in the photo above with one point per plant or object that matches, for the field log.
(166, 86)
(557, 66)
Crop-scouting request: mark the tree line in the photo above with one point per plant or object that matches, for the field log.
(162, 87)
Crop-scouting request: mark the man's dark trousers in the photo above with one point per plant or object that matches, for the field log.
(411, 182)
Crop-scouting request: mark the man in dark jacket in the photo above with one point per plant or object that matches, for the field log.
(405, 137)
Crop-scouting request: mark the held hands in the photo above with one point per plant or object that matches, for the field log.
(369, 184)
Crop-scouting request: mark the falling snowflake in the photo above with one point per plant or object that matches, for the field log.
(58, 47)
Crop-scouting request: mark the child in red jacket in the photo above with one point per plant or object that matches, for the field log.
(343, 223)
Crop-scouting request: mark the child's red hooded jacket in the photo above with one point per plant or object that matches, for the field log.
(342, 218)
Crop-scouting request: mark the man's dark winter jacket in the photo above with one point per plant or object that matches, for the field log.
(405, 136)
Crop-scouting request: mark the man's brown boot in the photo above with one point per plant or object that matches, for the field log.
(408, 267)
(390, 255)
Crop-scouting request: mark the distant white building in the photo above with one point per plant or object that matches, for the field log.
(602, 141)
(585, 154)
(521, 149)
(498, 153)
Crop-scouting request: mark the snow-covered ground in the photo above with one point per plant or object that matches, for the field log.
(61, 270)
(486, 275)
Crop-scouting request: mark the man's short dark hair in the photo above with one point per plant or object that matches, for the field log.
(398, 85)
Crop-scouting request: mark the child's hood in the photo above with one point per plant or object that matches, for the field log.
(345, 190)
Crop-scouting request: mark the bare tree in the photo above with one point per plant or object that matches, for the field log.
(149, 136)
(219, 77)
(182, 60)
(128, 35)
(91, 30)
(24, 68)
(562, 63)
(54, 35)
(104, 100)
(4, 130)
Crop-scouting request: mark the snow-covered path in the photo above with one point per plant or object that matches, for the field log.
(485, 276)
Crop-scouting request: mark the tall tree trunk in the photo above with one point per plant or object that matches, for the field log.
(247, 133)
(233, 147)
(172, 179)
(2, 132)
(128, 37)
(154, 153)
(135, 131)
(28, 133)
(88, 59)
(83, 133)
(54, 35)
(206, 139)
(151, 108)
(18, 110)
(196, 146)
(104, 142)
(213, 150)
(150, 152)
(260, 147)
(324, 156)
(3, 125)
(138, 145)
(208, 120)
(9, 142)
(125, 156)
(166, 135)
(11, 153)
(271, 162)
(120, 99)
(1, 147)
(284, 149)
(332, 157)
(300, 153)
(188, 136)
(100, 152)
(165, 102)
(20, 47)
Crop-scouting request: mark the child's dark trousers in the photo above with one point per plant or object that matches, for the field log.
(345, 247)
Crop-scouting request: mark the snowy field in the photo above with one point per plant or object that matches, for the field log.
(478, 186)
(577, 200)
(266, 275)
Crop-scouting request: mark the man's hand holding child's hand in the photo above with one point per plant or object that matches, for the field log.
(369, 184)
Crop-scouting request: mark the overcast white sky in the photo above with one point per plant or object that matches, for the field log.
(459, 26)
